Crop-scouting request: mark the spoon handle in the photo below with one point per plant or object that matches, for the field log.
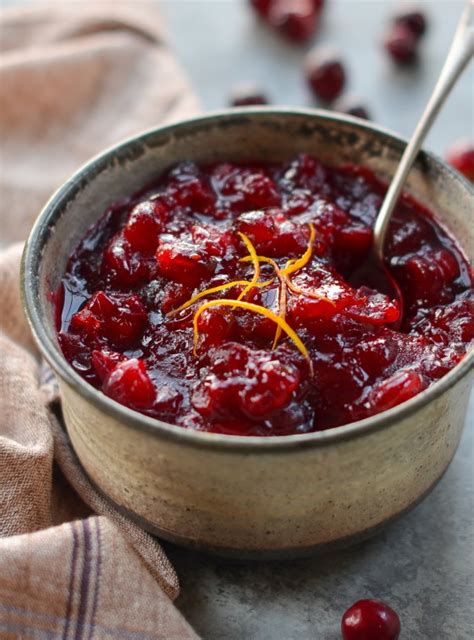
(461, 51)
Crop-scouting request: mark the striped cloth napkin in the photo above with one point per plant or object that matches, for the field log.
(74, 78)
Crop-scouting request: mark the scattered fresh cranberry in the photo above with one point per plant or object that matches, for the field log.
(414, 20)
(353, 106)
(461, 156)
(325, 74)
(247, 94)
(262, 7)
(370, 620)
(401, 44)
(295, 19)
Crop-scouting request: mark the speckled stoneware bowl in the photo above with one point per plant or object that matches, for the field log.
(249, 497)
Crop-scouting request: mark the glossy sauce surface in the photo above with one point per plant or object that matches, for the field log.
(301, 229)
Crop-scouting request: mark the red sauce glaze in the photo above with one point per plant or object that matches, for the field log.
(151, 253)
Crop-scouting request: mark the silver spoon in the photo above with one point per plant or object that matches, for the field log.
(375, 272)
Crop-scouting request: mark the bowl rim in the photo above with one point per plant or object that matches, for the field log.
(33, 252)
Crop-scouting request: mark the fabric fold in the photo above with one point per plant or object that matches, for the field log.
(74, 78)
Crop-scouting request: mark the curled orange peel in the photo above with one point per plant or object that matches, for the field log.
(216, 289)
(249, 306)
(295, 265)
(256, 265)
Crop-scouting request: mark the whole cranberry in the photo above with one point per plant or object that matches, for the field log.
(295, 19)
(247, 94)
(413, 19)
(401, 44)
(262, 7)
(353, 106)
(461, 156)
(325, 73)
(370, 620)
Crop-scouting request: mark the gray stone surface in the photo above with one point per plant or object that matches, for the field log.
(422, 564)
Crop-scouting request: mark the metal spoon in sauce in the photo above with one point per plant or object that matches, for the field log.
(375, 273)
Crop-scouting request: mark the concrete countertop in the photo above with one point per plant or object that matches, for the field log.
(423, 564)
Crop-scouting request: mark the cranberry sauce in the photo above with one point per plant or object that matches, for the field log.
(282, 343)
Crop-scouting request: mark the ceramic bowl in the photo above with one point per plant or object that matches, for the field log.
(247, 496)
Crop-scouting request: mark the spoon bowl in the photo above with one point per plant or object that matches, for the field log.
(375, 274)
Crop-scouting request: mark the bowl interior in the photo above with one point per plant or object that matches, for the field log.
(259, 134)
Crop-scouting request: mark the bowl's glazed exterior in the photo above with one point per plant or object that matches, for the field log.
(260, 497)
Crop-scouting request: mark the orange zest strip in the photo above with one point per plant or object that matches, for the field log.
(309, 294)
(295, 265)
(256, 309)
(221, 287)
(256, 265)
(281, 292)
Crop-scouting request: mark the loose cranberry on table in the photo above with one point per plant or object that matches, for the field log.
(370, 620)
(325, 73)
(461, 156)
(218, 298)
(295, 19)
(414, 19)
(247, 94)
(353, 106)
(401, 44)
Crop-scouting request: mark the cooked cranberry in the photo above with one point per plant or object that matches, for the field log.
(401, 43)
(188, 188)
(414, 19)
(123, 265)
(183, 263)
(246, 95)
(461, 156)
(144, 225)
(245, 188)
(215, 326)
(295, 19)
(130, 385)
(325, 74)
(256, 385)
(120, 319)
(402, 386)
(353, 106)
(105, 361)
(370, 620)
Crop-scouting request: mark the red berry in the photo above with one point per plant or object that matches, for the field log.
(415, 20)
(122, 265)
(295, 19)
(214, 326)
(144, 225)
(246, 95)
(401, 44)
(353, 106)
(262, 7)
(184, 263)
(130, 385)
(105, 361)
(401, 386)
(119, 319)
(461, 156)
(370, 620)
(247, 188)
(325, 74)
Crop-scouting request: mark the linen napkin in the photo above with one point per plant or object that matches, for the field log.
(75, 77)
